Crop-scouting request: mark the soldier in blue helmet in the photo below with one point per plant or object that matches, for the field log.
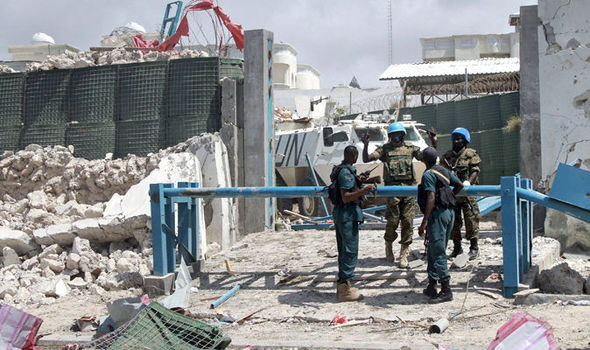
(464, 162)
(398, 170)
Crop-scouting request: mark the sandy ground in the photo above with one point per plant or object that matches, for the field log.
(279, 272)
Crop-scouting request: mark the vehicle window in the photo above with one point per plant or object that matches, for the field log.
(375, 134)
(340, 136)
(411, 135)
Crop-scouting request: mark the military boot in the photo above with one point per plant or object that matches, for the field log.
(430, 290)
(457, 249)
(389, 251)
(403, 256)
(473, 249)
(345, 293)
(445, 294)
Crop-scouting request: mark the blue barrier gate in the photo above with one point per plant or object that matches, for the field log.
(516, 203)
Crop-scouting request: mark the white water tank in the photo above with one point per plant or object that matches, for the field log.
(42, 39)
(135, 26)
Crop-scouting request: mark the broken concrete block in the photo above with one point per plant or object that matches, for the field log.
(124, 265)
(460, 261)
(78, 283)
(55, 265)
(37, 199)
(30, 263)
(61, 289)
(561, 279)
(20, 241)
(89, 229)
(158, 285)
(81, 246)
(61, 234)
(94, 211)
(73, 261)
(52, 249)
(10, 257)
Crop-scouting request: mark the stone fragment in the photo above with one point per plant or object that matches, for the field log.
(55, 265)
(37, 199)
(20, 241)
(53, 249)
(124, 265)
(460, 261)
(73, 261)
(78, 282)
(61, 289)
(81, 246)
(560, 279)
(30, 263)
(10, 257)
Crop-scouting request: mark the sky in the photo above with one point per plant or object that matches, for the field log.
(340, 38)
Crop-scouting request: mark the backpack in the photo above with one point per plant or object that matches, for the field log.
(334, 189)
(444, 197)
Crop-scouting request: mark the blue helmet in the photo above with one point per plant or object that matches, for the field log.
(463, 132)
(395, 127)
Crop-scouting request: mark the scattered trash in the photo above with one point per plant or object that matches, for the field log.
(522, 331)
(182, 293)
(228, 268)
(439, 326)
(86, 324)
(486, 293)
(19, 329)
(526, 292)
(460, 261)
(240, 246)
(354, 323)
(338, 320)
(241, 320)
(494, 276)
(284, 272)
(226, 296)
(121, 311)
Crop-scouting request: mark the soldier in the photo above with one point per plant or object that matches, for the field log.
(398, 170)
(464, 162)
(347, 216)
(436, 202)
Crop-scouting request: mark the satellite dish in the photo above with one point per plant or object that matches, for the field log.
(136, 27)
(42, 39)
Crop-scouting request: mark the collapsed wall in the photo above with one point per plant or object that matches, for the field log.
(72, 223)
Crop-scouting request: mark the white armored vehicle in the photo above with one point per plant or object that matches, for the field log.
(325, 148)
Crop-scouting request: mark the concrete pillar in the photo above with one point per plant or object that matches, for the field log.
(530, 131)
(258, 127)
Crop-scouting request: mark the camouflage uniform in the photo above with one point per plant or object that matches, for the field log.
(464, 164)
(398, 171)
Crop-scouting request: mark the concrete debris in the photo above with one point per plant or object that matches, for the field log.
(85, 225)
(460, 261)
(561, 279)
(71, 59)
(6, 69)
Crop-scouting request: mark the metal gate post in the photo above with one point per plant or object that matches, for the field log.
(169, 217)
(193, 234)
(159, 239)
(510, 230)
(526, 209)
(183, 216)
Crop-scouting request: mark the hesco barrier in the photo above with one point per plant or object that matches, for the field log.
(92, 140)
(130, 108)
(11, 99)
(92, 97)
(46, 97)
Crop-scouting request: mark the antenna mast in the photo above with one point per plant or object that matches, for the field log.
(389, 34)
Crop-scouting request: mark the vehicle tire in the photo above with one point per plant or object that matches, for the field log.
(311, 206)
(283, 203)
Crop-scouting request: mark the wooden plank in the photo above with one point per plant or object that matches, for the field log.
(524, 293)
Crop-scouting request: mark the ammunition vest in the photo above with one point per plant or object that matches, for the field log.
(459, 163)
(397, 161)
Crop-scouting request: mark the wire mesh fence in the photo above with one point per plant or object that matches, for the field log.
(46, 97)
(44, 135)
(92, 97)
(11, 99)
(139, 137)
(10, 137)
(181, 129)
(141, 91)
(92, 140)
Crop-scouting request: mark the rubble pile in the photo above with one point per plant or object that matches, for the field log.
(56, 272)
(68, 223)
(6, 69)
(71, 59)
(44, 186)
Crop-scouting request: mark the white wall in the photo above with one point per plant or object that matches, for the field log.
(564, 85)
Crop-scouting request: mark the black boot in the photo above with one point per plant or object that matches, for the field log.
(445, 294)
(430, 290)
(473, 249)
(456, 248)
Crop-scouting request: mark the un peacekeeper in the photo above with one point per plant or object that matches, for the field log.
(464, 162)
(347, 217)
(398, 170)
(437, 224)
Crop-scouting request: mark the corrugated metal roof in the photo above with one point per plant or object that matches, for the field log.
(448, 68)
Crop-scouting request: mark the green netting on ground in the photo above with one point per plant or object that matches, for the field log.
(488, 112)
(511, 150)
(139, 137)
(445, 117)
(466, 114)
(491, 153)
(92, 94)
(193, 88)
(46, 97)
(157, 328)
(44, 135)
(10, 138)
(180, 129)
(141, 92)
(231, 68)
(509, 106)
(424, 114)
(92, 140)
(11, 99)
